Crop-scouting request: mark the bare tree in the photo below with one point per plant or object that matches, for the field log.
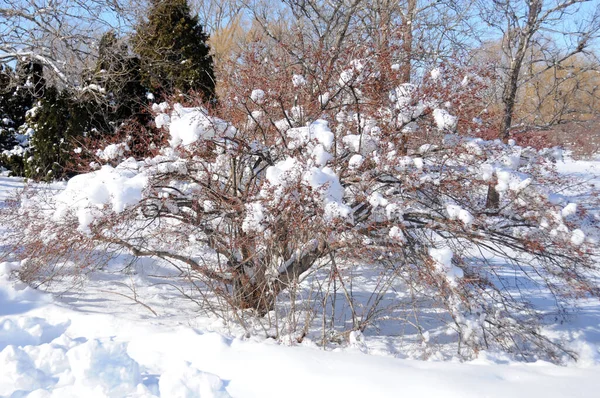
(420, 33)
(217, 15)
(524, 25)
(414, 32)
(61, 35)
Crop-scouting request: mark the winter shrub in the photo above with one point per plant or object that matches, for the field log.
(337, 165)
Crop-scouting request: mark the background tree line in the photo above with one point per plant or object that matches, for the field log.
(73, 70)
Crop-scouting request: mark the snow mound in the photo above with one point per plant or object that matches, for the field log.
(113, 151)
(257, 96)
(87, 194)
(189, 125)
(444, 120)
(443, 261)
(19, 372)
(104, 366)
(187, 382)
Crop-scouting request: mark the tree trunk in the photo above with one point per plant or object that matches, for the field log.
(407, 40)
(509, 94)
(493, 197)
(260, 293)
(509, 97)
(257, 296)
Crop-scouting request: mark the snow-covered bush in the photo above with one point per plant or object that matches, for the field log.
(339, 164)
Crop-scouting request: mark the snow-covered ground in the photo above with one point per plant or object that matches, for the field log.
(118, 334)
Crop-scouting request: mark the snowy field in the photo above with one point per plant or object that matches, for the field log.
(130, 334)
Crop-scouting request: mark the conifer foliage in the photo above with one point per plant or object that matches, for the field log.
(173, 50)
(114, 92)
(7, 140)
(55, 122)
(19, 89)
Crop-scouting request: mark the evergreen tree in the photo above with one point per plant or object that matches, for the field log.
(114, 92)
(7, 130)
(121, 74)
(56, 122)
(18, 92)
(173, 50)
